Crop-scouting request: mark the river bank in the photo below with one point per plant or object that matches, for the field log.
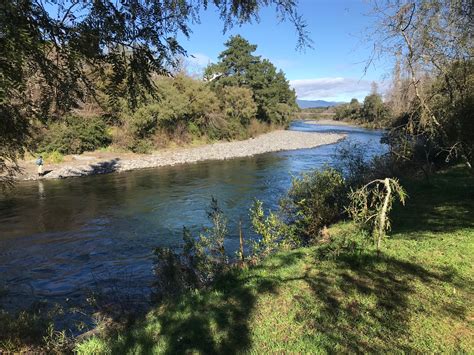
(106, 162)
(415, 296)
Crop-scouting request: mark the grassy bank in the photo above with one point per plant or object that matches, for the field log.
(416, 297)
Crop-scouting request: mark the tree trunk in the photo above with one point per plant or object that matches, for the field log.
(383, 214)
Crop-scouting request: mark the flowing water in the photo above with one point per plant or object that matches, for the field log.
(59, 238)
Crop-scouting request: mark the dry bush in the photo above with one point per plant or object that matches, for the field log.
(122, 138)
(256, 128)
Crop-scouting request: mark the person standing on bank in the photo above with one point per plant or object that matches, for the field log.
(39, 163)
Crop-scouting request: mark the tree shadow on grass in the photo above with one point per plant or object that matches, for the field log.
(353, 304)
(446, 205)
(365, 305)
(214, 321)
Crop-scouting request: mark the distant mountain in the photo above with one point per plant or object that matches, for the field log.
(316, 103)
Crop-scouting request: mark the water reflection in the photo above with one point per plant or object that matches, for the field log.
(57, 236)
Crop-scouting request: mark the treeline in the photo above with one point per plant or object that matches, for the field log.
(239, 97)
(372, 111)
(429, 115)
(429, 107)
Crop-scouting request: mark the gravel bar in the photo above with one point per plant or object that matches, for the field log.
(269, 142)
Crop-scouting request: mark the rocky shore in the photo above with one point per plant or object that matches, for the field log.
(84, 165)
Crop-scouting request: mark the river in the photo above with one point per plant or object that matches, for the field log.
(61, 238)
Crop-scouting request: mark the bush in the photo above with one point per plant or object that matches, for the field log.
(53, 157)
(315, 200)
(371, 205)
(143, 146)
(238, 104)
(274, 233)
(201, 261)
(75, 135)
(186, 109)
(342, 239)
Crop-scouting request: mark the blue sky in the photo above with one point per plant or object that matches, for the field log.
(332, 71)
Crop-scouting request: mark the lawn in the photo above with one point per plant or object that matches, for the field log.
(415, 297)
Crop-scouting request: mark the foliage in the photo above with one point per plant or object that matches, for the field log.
(371, 205)
(75, 135)
(201, 261)
(273, 233)
(315, 200)
(452, 101)
(238, 104)
(239, 67)
(342, 240)
(186, 109)
(351, 111)
(374, 110)
(351, 159)
(432, 81)
(33, 329)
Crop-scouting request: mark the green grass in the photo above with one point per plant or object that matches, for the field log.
(416, 297)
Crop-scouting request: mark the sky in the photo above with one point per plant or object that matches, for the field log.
(333, 70)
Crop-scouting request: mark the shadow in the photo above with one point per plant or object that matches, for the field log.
(365, 305)
(213, 321)
(46, 172)
(104, 167)
(204, 322)
(353, 304)
(445, 205)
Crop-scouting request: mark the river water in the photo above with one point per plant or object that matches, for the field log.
(59, 238)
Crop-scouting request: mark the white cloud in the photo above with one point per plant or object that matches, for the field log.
(331, 89)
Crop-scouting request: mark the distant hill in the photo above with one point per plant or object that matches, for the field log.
(316, 103)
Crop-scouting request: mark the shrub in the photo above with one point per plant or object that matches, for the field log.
(256, 128)
(315, 200)
(201, 261)
(75, 135)
(342, 239)
(142, 146)
(186, 108)
(371, 205)
(53, 157)
(238, 104)
(274, 233)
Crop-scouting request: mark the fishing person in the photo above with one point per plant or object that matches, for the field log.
(39, 163)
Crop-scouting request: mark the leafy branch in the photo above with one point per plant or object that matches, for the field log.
(371, 204)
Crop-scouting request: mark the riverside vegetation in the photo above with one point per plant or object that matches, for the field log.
(325, 272)
(233, 104)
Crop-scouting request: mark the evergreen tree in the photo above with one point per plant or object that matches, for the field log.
(239, 66)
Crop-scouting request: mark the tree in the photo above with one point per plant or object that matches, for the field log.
(430, 37)
(235, 63)
(349, 111)
(239, 67)
(52, 51)
(373, 109)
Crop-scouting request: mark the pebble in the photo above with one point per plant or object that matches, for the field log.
(265, 143)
